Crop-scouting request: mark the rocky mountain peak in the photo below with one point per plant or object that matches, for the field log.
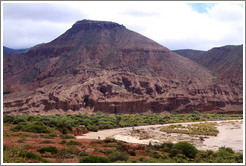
(91, 24)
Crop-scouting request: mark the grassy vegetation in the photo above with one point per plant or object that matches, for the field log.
(64, 123)
(197, 129)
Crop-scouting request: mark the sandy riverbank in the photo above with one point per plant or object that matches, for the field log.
(230, 135)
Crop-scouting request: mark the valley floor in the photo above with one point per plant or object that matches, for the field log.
(25, 142)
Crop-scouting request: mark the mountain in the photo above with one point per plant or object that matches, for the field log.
(103, 66)
(226, 63)
(188, 53)
(7, 50)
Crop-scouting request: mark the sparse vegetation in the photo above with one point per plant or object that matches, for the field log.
(94, 159)
(110, 149)
(31, 155)
(71, 142)
(198, 129)
(46, 142)
(118, 156)
(14, 154)
(50, 149)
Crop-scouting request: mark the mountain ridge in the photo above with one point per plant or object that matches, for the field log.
(226, 62)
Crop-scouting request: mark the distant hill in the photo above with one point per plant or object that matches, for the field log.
(188, 53)
(226, 63)
(7, 50)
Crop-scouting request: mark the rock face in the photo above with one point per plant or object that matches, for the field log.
(102, 66)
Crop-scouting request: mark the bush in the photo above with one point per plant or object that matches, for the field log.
(92, 128)
(64, 126)
(66, 153)
(51, 149)
(108, 140)
(8, 119)
(71, 142)
(94, 159)
(83, 153)
(52, 135)
(165, 147)
(63, 142)
(35, 126)
(46, 142)
(118, 156)
(131, 152)
(186, 148)
(195, 112)
(31, 155)
(46, 136)
(181, 158)
(14, 154)
(122, 147)
(67, 136)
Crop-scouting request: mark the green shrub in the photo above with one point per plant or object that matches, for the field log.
(46, 136)
(108, 140)
(14, 154)
(8, 119)
(196, 112)
(121, 146)
(165, 147)
(186, 148)
(63, 142)
(52, 135)
(100, 150)
(67, 136)
(118, 156)
(66, 153)
(131, 152)
(71, 142)
(35, 126)
(21, 140)
(51, 149)
(46, 142)
(92, 128)
(64, 126)
(141, 158)
(83, 153)
(181, 158)
(18, 120)
(31, 155)
(94, 159)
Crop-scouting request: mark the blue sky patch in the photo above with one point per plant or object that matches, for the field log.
(201, 7)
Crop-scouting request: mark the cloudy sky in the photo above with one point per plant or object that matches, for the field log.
(176, 25)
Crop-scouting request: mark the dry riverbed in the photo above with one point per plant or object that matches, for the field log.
(230, 135)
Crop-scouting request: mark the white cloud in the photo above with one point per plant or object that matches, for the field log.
(174, 24)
